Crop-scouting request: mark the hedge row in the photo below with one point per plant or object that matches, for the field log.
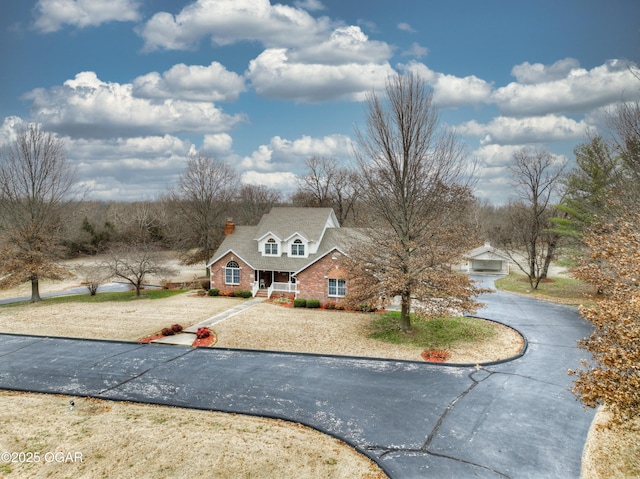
(306, 303)
(238, 293)
(315, 303)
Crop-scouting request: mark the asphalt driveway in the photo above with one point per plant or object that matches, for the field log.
(516, 419)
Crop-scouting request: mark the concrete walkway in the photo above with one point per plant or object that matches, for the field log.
(188, 335)
(229, 313)
(515, 419)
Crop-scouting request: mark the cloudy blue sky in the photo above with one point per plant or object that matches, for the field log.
(133, 86)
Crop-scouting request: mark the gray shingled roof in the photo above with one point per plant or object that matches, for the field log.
(284, 223)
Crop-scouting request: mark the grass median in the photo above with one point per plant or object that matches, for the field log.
(561, 289)
(437, 333)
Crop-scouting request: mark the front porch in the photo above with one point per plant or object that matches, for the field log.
(270, 282)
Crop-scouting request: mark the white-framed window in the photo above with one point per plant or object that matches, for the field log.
(271, 247)
(337, 287)
(232, 273)
(297, 248)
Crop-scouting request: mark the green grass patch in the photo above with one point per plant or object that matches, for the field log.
(567, 262)
(438, 333)
(117, 296)
(106, 297)
(562, 289)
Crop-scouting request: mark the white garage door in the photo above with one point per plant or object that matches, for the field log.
(487, 265)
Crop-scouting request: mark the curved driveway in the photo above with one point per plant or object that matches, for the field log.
(516, 419)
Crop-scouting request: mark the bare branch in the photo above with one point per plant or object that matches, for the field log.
(327, 184)
(415, 184)
(135, 262)
(201, 197)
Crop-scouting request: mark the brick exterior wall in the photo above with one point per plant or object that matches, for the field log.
(313, 282)
(247, 275)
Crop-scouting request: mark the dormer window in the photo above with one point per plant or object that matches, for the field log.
(271, 247)
(297, 248)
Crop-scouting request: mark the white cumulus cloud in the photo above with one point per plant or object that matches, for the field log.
(344, 45)
(529, 74)
(305, 58)
(192, 83)
(450, 91)
(218, 144)
(564, 87)
(9, 129)
(128, 168)
(504, 130)
(284, 154)
(88, 106)
(51, 15)
(273, 75)
(230, 21)
(495, 156)
(147, 147)
(281, 181)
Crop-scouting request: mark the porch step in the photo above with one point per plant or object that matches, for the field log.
(261, 293)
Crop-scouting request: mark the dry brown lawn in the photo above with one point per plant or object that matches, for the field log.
(101, 439)
(612, 451)
(271, 327)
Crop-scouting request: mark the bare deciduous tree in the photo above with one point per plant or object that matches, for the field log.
(201, 198)
(625, 125)
(254, 201)
(93, 276)
(140, 221)
(415, 184)
(327, 184)
(135, 262)
(531, 242)
(36, 185)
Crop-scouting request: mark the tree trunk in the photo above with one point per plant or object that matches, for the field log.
(405, 312)
(35, 290)
(532, 267)
(551, 249)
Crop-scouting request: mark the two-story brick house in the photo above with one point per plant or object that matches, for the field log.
(292, 252)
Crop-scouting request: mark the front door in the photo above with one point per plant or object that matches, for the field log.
(264, 279)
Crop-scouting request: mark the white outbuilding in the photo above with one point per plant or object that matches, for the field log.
(486, 260)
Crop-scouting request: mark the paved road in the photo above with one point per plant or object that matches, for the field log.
(104, 288)
(515, 419)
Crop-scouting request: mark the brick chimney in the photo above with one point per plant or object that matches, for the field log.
(229, 227)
